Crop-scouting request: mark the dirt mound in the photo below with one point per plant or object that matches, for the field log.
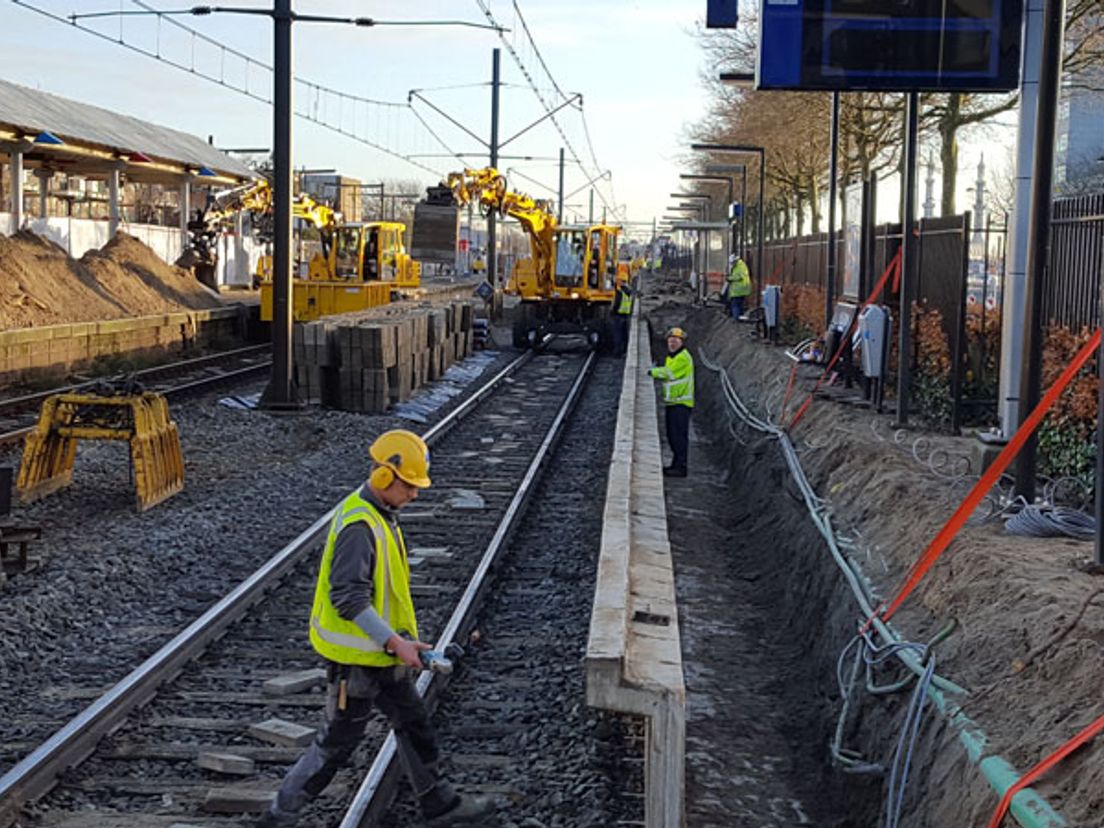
(41, 285)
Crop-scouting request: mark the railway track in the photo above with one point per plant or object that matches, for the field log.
(18, 414)
(511, 721)
(202, 692)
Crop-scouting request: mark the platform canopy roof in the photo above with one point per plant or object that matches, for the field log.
(69, 136)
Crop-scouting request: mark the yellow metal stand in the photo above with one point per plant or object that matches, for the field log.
(142, 419)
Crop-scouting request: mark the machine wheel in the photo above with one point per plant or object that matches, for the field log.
(520, 331)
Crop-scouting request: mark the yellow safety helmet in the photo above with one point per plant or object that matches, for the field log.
(676, 331)
(401, 454)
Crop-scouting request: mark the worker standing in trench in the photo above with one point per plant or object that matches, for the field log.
(363, 624)
(677, 375)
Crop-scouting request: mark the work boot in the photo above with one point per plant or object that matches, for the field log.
(671, 471)
(470, 811)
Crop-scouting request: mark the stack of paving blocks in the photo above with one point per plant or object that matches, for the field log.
(367, 365)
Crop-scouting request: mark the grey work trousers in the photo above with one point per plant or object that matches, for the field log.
(390, 690)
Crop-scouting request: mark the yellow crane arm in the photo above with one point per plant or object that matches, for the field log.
(487, 187)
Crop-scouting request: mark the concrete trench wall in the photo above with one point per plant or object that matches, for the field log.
(32, 354)
(815, 605)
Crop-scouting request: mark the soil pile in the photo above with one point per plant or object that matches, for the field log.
(41, 285)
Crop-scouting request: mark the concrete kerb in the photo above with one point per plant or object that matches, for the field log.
(634, 656)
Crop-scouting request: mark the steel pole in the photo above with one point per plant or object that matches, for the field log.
(280, 391)
(743, 212)
(1098, 543)
(759, 241)
(559, 212)
(1038, 239)
(492, 250)
(908, 218)
(833, 174)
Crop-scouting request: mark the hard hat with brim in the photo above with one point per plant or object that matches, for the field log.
(679, 332)
(405, 453)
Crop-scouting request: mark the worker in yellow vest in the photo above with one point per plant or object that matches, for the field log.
(677, 376)
(739, 285)
(621, 313)
(363, 624)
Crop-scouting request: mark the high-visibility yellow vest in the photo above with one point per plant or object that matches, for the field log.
(677, 374)
(341, 640)
(739, 280)
(624, 302)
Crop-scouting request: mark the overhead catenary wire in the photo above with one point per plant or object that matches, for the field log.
(248, 65)
(521, 28)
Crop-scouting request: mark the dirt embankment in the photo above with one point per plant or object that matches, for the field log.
(41, 285)
(1012, 597)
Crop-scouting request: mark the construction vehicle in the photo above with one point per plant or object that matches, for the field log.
(358, 266)
(210, 222)
(567, 283)
(120, 411)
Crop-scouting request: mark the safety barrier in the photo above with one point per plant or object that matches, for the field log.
(634, 657)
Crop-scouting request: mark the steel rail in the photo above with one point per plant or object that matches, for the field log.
(36, 773)
(17, 434)
(374, 796)
(194, 362)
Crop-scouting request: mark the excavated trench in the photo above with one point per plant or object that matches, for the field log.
(764, 614)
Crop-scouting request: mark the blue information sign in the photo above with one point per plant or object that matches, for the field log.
(894, 45)
(722, 14)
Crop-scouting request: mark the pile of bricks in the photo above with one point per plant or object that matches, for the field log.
(370, 364)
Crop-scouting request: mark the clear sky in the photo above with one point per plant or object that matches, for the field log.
(635, 63)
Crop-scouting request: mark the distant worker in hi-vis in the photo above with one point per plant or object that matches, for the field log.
(621, 313)
(739, 286)
(363, 624)
(677, 377)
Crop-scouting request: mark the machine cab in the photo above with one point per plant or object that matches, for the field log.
(586, 261)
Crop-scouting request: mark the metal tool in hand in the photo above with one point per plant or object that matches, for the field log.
(441, 662)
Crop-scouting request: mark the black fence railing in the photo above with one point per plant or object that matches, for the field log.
(1071, 292)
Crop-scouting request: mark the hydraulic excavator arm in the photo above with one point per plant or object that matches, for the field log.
(487, 188)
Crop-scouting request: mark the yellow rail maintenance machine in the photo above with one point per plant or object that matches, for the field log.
(108, 412)
(567, 283)
(358, 266)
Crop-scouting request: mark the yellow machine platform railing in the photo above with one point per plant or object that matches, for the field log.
(140, 418)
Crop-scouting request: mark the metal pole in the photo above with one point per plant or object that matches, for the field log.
(960, 328)
(1098, 510)
(1013, 302)
(759, 241)
(833, 174)
(904, 334)
(559, 212)
(1038, 239)
(17, 190)
(492, 250)
(280, 391)
(590, 213)
(743, 212)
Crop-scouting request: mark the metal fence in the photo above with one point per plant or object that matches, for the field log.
(1071, 290)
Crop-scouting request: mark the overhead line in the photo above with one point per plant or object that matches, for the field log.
(244, 88)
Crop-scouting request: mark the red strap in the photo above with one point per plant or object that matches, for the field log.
(1049, 762)
(894, 265)
(987, 481)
